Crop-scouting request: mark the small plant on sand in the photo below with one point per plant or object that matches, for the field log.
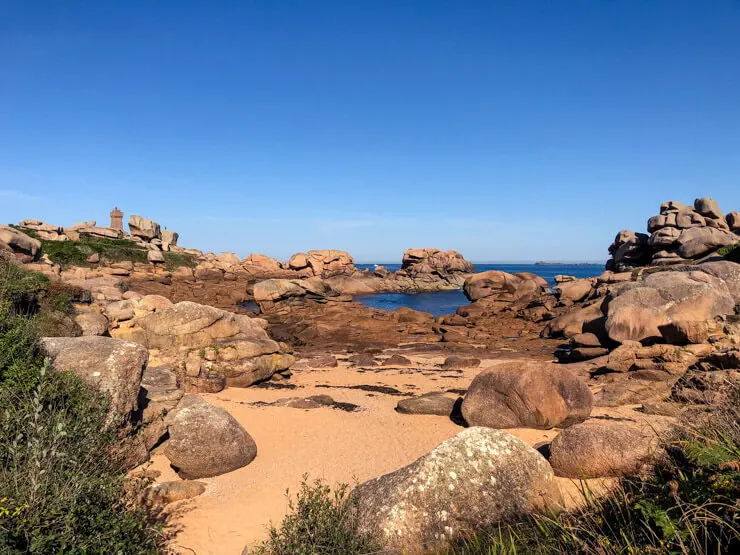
(320, 521)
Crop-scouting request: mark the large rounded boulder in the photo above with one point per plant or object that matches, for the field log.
(527, 395)
(473, 480)
(206, 441)
(593, 450)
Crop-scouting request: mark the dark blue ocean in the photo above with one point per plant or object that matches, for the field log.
(446, 302)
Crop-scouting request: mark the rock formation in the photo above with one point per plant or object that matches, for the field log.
(322, 263)
(677, 235)
(428, 263)
(639, 310)
(209, 348)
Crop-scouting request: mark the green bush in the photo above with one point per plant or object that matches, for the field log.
(19, 286)
(63, 486)
(319, 522)
(19, 355)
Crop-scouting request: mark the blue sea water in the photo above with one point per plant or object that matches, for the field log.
(446, 302)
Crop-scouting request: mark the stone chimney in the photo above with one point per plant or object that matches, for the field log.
(116, 219)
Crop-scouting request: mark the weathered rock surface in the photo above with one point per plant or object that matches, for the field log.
(322, 263)
(586, 319)
(698, 241)
(629, 249)
(207, 342)
(169, 239)
(440, 404)
(19, 244)
(733, 221)
(273, 294)
(471, 481)
(449, 265)
(640, 309)
(159, 393)
(728, 272)
(155, 257)
(92, 323)
(170, 492)
(145, 228)
(114, 366)
(456, 362)
(574, 290)
(679, 235)
(397, 360)
(593, 450)
(526, 394)
(495, 285)
(206, 441)
(641, 374)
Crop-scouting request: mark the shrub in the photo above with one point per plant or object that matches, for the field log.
(18, 286)
(19, 354)
(319, 522)
(61, 487)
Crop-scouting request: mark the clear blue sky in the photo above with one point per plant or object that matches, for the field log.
(507, 130)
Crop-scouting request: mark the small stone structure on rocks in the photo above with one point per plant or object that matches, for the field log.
(116, 219)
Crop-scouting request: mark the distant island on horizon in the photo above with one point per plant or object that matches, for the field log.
(546, 263)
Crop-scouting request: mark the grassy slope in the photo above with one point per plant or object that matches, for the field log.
(76, 253)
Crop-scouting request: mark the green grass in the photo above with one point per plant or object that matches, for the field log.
(63, 485)
(76, 253)
(175, 260)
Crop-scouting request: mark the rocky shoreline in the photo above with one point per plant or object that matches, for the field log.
(654, 336)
